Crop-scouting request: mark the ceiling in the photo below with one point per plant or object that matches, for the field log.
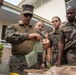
(9, 16)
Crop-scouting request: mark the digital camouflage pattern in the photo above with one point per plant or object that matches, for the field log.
(54, 38)
(54, 41)
(17, 35)
(67, 34)
(18, 64)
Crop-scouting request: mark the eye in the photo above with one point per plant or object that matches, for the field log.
(52, 21)
(26, 15)
(55, 21)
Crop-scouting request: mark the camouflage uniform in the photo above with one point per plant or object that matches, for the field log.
(54, 41)
(67, 35)
(17, 35)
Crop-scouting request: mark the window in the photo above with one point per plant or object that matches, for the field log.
(3, 32)
(67, 0)
(38, 3)
(71, 2)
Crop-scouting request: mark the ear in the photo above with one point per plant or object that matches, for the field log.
(20, 14)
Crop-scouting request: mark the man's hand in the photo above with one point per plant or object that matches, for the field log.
(45, 44)
(34, 36)
(57, 63)
(42, 66)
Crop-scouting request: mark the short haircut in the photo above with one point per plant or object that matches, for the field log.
(57, 17)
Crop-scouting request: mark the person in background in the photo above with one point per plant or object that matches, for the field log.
(67, 37)
(53, 39)
(23, 36)
(39, 26)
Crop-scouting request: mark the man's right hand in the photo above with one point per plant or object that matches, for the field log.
(34, 36)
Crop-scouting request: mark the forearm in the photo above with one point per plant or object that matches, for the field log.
(61, 48)
(44, 56)
(49, 54)
(14, 37)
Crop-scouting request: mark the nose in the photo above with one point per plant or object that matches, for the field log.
(69, 14)
(28, 16)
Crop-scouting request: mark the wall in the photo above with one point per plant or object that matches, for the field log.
(52, 8)
(0, 30)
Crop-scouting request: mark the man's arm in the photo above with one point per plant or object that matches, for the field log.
(43, 59)
(49, 54)
(60, 52)
(44, 56)
(61, 45)
(14, 37)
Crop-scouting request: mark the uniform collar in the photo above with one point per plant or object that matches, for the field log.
(55, 32)
(21, 24)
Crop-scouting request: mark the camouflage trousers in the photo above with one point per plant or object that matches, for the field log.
(18, 64)
(55, 58)
(71, 58)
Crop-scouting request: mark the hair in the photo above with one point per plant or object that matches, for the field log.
(71, 7)
(39, 21)
(57, 17)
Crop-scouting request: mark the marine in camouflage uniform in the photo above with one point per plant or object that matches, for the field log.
(68, 33)
(23, 40)
(67, 37)
(53, 37)
(54, 43)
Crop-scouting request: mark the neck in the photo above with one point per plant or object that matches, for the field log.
(71, 22)
(27, 26)
(56, 30)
